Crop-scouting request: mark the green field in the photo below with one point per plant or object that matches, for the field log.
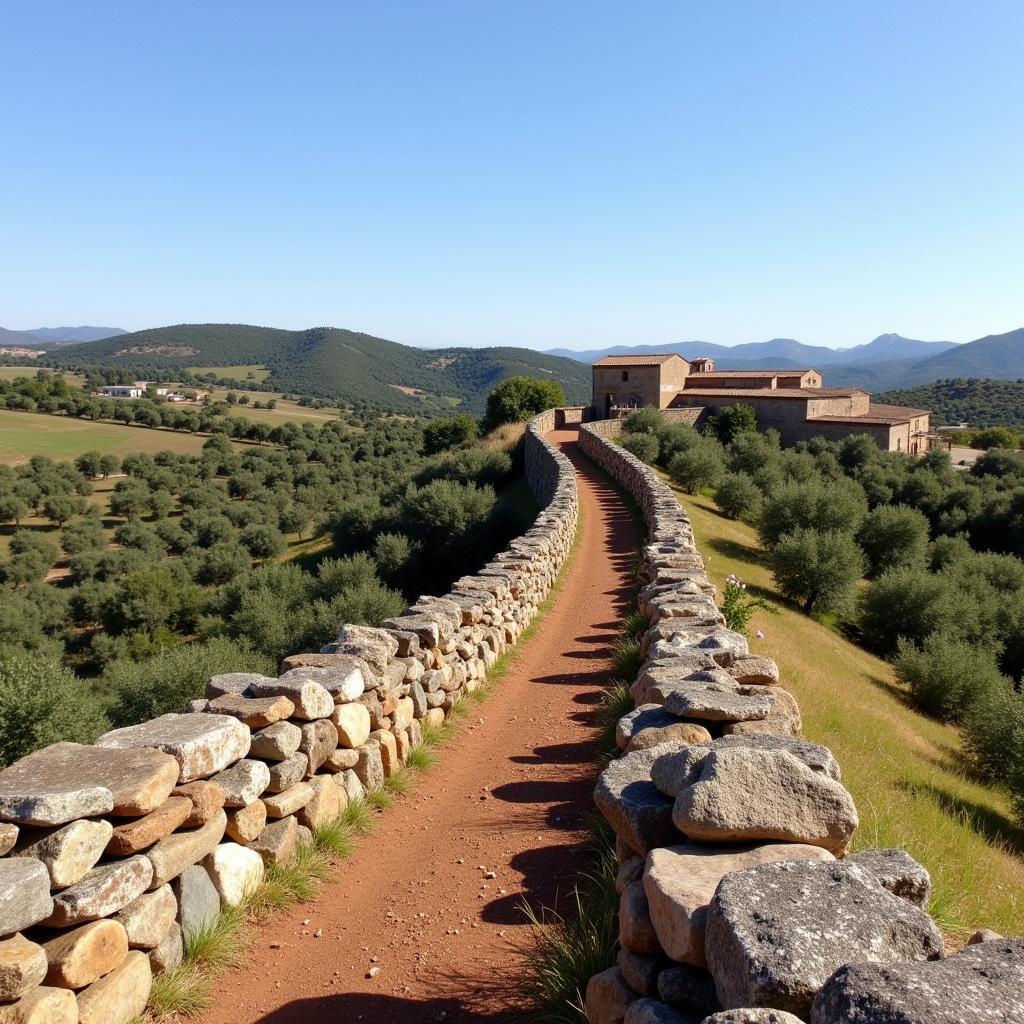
(13, 372)
(24, 434)
(251, 371)
(908, 773)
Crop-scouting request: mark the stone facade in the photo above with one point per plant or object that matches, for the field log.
(116, 852)
(794, 402)
(739, 901)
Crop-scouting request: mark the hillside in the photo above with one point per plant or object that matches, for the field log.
(979, 403)
(326, 362)
(56, 335)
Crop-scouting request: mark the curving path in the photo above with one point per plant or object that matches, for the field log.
(511, 795)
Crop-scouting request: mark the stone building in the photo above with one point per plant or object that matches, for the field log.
(794, 402)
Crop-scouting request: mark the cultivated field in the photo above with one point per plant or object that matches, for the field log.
(13, 372)
(251, 371)
(908, 773)
(24, 434)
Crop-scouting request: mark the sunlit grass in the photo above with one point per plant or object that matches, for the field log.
(908, 773)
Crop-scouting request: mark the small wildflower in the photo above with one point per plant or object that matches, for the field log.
(759, 634)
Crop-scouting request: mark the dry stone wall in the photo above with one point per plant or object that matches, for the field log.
(739, 900)
(111, 854)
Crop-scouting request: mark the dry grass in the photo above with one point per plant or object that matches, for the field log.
(908, 773)
(504, 438)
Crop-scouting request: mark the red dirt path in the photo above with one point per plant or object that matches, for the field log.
(510, 795)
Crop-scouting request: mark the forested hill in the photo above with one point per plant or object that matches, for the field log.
(335, 364)
(978, 402)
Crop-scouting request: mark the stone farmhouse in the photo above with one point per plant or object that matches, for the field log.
(794, 402)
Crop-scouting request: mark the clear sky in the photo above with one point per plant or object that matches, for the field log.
(552, 173)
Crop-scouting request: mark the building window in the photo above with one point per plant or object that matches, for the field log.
(625, 376)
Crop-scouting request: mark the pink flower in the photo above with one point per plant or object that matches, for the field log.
(759, 634)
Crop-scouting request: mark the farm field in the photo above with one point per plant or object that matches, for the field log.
(24, 434)
(907, 772)
(13, 372)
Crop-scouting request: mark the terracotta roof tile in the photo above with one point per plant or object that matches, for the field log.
(655, 359)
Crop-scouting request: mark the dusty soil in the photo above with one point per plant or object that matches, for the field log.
(430, 903)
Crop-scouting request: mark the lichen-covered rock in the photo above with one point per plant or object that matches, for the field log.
(276, 843)
(680, 881)
(78, 956)
(650, 725)
(246, 823)
(201, 744)
(319, 739)
(375, 646)
(148, 918)
(22, 966)
(982, 984)
(752, 1015)
(118, 997)
(289, 801)
(102, 892)
(276, 742)
(68, 851)
(327, 804)
(244, 782)
(198, 899)
(783, 718)
(343, 681)
(640, 815)
(817, 757)
(717, 705)
(284, 774)
(255, 712)
(239, 683)
(776, 933)
(181, 850)
(207, 801)
(608, 997)
(793, 803)
(754, 670)
(898, 872)
(65, 781)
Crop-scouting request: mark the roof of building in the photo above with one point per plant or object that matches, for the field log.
(884, 415)
(655, 359)
(705, 374)
(804, 393)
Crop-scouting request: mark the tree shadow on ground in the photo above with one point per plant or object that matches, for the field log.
(738, 550)
(995, 827)
(458, 1007)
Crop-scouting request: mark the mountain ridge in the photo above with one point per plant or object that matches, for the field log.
(57, 335)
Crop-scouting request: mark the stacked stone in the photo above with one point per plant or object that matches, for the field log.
(738, 899)
(111, 855)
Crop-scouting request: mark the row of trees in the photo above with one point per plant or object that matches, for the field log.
(944, 591)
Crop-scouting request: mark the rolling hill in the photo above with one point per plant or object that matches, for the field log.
(978, 403)
(56, 335)
(339, 365)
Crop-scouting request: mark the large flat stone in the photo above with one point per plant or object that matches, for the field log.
(898, 872)
(120, 996)
(183, 849)
(344, 682)
(132, 836)
(715, 705)
(311, 700)
(650, 725)
(201, 744)
(640, 815)
(254, 712)
(66, 781)
(793, 802)
(982, 984)
(777, 932)
(288, 801)
(680, 881)
(22, 966)
(78, 956)
(24, 894)
(68, 851)
(101, 893)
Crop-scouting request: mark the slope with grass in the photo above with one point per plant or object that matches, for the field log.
(907, 773)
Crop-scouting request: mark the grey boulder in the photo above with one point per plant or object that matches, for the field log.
(640, 815)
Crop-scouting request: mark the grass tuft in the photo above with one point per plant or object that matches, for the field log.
(635, 624)
(421, 758)
(284, 885)
(357, 817)
(379, 799)
(183, 992)
(615, 702)
(219, 945)
(399, 783)
(626, 659)
(335, 839)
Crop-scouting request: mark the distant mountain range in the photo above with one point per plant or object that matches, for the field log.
(335, 364)
(889, 361)
(57, 335)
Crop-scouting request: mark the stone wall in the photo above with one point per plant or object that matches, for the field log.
(110, 854)
(739, 901)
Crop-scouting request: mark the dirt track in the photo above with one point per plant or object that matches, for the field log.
(511, 795)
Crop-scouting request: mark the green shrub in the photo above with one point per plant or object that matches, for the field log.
(647, 420)
(738, 496)
(817, 569)
(994, 734)
(449, 432)
(733, 420)
(42, 702)
(698, 467)
(167, 682)
(946, 676)
(833, 506)
(518, 398)
(643, 446)
(892, 536)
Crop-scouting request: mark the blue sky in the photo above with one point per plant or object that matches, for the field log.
(537, 173)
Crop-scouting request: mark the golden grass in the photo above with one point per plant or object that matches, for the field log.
(908, 773)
